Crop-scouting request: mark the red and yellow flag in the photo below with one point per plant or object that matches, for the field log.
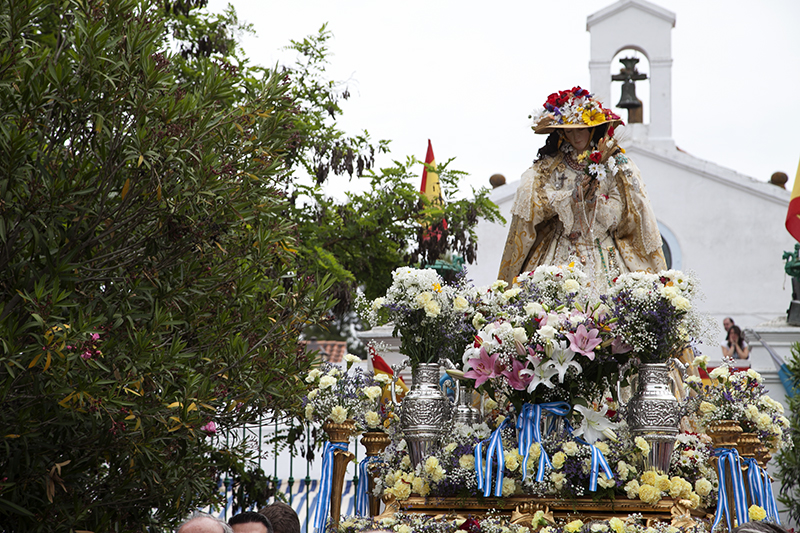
(431, 189)
(793, 215)
(430, 180)
(379, 366)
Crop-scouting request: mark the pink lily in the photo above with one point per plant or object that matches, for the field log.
(583, 341)
(483, 368)
(515, 377)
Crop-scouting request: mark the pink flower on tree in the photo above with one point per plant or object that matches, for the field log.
(482, 368)
(584, 342)
(210, 428)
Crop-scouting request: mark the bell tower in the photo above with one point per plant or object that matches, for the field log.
(645, 27)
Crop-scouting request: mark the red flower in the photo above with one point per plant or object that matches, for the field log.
(596, 157)
(471, 525)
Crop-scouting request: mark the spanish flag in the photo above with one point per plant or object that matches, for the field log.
(431, 190)
(793, 215)
(430, 180)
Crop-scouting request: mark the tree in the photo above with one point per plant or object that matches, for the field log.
(788, 459)
(151, 295)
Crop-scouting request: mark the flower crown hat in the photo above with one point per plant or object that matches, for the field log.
(572, 109)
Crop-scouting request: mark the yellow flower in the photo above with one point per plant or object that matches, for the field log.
(558, 479)
(309, 411)
(512, 458)
(650, 477)
(573, 526)
(467, 462)
(372, 419)
(703, 486)
(437, 287)
(662, 483)
(558, 460)
(603, 447)
(338, 414)
(617, 525)
(649, 494)
(509, 487)
(570, 448)
(642, 444)
(403, 528)
(490, 404)
(593, 117)
(756, 513)
(706, 407)
(405, 462)
(632, 489)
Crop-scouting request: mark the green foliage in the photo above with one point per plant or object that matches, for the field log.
(788, 459)
(150, 278)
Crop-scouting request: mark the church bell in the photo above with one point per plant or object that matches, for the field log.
(628, 99)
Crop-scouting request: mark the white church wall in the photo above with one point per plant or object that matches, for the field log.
(730, 230)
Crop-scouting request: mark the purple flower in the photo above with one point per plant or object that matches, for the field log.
(583, 341)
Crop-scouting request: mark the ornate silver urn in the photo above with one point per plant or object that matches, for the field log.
(424, 412)
(653, 413)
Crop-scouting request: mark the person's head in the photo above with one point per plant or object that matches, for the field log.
(282, 517)
(204, 523)
(759, 527)
(727, 322)
(250, 522)
(735, 336)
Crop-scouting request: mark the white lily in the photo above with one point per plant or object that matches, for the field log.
(541, 376)
(561, 359)
(594, 425)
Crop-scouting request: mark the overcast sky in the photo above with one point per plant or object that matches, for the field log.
(467, 74)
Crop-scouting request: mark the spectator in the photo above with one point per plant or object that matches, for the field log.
(282, 517)
(250, 522)
(737, 347)
(759, 527)
(204, 523)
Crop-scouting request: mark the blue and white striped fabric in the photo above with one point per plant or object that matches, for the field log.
(362, 490)
(760, 486)
(324, 497)
(495, 449)
(528, 432)
(728, 461)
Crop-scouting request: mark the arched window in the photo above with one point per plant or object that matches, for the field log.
(670, 247)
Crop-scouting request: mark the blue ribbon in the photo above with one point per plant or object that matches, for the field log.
(362, 489)
(528, 432)
(598, 461)
(772, 505)
(324, 496)
(756, 483)
(728, 459)
(495, 449)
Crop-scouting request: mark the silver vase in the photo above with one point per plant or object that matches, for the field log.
(653, 413)
(424, 412)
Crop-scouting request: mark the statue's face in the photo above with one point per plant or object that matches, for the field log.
(579, 138)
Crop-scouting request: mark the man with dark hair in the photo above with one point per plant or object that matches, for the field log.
(283, 518)
(250, 522)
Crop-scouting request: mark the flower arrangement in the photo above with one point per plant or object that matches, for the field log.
(430, 315)
(338, 395)
(740, 396)
(691, 460)
(574, 106)
(418, 523)
(539, 337)
(654, 313)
